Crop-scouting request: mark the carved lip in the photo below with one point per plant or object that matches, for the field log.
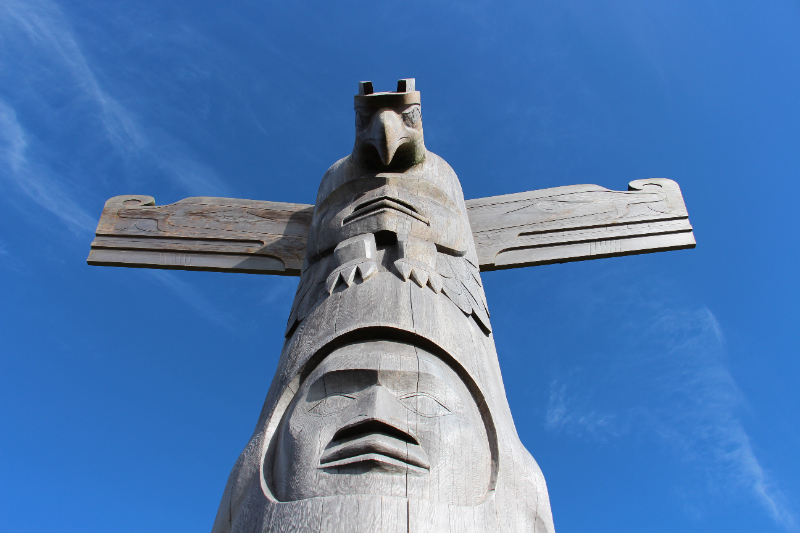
(376, 448)
(382, 203)
(377, 442)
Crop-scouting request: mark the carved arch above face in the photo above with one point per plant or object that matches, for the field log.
(387, 418)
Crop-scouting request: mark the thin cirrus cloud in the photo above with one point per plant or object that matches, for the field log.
(58, 122)
(36, 181)
(187, 293)
(43, 33)
(683, 395)
(56, 90)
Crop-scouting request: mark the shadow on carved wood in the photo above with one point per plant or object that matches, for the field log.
(218, 234)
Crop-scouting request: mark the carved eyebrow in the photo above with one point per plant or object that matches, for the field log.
(339, 375)
(379, 370)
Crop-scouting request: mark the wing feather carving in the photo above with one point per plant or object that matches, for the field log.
(572, 223)
(578, 222)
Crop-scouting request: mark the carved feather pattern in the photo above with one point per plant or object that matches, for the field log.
(461, 284)
(309, 291)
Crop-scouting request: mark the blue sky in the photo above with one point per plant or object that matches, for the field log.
(657, 392)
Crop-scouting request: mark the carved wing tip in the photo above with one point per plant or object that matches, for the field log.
(638, 185)
(130, 200)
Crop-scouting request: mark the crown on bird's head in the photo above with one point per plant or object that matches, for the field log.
(404, 95)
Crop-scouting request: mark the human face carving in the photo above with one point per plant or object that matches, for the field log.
(383, 418)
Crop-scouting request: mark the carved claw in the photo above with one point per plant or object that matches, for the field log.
(356, 254)
(435, 282)
(347, 273)
(367, 270)
(419, 273)
(420, 276)
(360, 247)
(403, 268)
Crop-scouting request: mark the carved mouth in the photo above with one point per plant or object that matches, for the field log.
(378, 443)
(383, 203)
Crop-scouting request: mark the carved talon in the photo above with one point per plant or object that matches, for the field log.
(355, 254)
(419, 273)
(347, 273)
(420, 276)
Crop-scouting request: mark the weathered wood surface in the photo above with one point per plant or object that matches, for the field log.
(562, 224)
(579, 222)
(203, 233)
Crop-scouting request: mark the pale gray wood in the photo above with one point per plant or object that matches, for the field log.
(394, 513)
(252, 514)
(203, 233)
(428, 517)
(579, 222)
(334, 516)
(572, 223)
(369, 514)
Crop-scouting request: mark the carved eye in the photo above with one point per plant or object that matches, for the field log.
(411, 116)
(424, 405)
(331, 405)
(362, 119)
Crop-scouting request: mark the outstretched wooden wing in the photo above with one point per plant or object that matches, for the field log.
(579, 222)
(202, 233)
(572, 223)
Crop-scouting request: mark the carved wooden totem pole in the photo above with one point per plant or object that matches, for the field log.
(387, 412)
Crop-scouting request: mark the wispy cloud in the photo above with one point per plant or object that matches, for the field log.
(683, 394)
(567, 412)
(36, 181)
(45, 26)
(280, 289)
(65, 100)
(175, 160)
(191, 296)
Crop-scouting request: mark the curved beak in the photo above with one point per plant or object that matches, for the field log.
(387, 135)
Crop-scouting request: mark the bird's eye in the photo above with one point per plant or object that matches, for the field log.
(424, 405)
(411, 116)
(331, 405)
(362, 119)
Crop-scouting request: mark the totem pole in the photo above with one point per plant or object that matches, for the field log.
(387, 412)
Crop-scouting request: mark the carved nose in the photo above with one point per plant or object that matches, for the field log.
(387, 135)
(380, 434)
(379, 411)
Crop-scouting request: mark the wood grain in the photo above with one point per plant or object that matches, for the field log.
(572, 223)
(579, 222)
(203, 233)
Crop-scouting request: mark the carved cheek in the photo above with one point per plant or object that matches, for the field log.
(438, 436)
(304, 432)
(294, 443)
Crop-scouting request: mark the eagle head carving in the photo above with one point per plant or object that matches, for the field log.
(388, 127)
